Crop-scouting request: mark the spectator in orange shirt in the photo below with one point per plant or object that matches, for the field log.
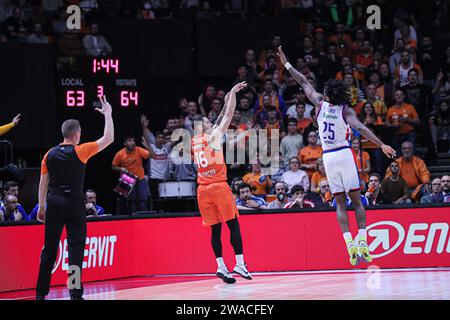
(365, 58)
(236, 121)
(302, 122)
(318, 176)
(129, 160)
(272, 68)
(413, 170)
(274, 121)
(403, 118)
(362, 161)
(347, 67)
(275, 99)
(308, 155)
(260, 184)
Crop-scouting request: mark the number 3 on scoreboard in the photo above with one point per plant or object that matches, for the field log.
(201, 161)
(99, 91)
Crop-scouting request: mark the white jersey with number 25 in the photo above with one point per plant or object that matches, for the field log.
(334, 131)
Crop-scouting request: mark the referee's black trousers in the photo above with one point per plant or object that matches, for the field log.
(69, 211)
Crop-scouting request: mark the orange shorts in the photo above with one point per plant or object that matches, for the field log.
(216, 203)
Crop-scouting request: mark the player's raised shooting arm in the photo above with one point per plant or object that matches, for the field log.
(223, 123)
(309, 90)
(222, 112)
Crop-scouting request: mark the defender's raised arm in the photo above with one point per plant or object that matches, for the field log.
(310, 92)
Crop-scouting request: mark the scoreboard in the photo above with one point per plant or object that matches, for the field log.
(82, 80)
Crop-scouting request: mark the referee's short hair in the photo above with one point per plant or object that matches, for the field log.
(70, 128)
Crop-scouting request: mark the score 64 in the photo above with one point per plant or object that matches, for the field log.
(128, 97)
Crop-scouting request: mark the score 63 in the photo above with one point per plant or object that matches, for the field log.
(75, 98)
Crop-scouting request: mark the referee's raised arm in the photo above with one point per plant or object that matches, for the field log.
(108, 133)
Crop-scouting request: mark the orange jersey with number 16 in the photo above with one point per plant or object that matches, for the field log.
(210, 162)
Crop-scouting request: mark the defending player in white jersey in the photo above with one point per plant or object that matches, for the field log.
(335, 118)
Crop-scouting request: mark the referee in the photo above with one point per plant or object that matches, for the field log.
(62, 175)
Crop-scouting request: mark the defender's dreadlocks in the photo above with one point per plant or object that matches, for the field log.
(337, 92)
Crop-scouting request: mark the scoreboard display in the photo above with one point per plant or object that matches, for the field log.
(82, 80)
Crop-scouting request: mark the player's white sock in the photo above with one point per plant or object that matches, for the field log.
(220, 263)
(362, 234)
(240, 259)
(348, 238)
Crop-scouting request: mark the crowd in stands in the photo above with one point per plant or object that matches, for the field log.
(399, 86)
(398, 79)
(12, 210)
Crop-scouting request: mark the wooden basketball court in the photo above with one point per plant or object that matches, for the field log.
(388, 284)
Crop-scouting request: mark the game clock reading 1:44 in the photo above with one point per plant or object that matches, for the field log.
(86, 79)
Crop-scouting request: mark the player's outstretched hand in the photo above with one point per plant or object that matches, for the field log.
(239, 87)
(282, 56)
(106, 109)
(16, 120)
(389, 151)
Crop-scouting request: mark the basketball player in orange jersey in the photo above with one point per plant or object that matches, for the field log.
(215, 199)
